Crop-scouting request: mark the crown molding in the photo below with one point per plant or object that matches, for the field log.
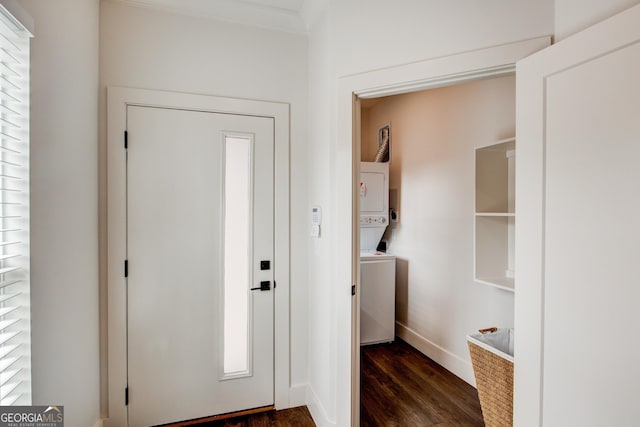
(281, 15)
(312, 10)
(18, 15)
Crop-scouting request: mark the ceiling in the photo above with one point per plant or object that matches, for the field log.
(285, 15)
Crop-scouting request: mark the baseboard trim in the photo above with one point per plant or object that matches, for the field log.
(297, 395)
(460, 367)
(317, 410)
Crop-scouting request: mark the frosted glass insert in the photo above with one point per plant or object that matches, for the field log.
(237, 253)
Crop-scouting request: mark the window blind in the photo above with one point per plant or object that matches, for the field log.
(15, 345)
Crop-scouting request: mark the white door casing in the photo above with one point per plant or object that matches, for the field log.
(199, 223)
(118, 101)
(578, 204)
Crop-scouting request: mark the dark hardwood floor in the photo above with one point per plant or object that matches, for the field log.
(294, 417)
(399, 387)
(402, 387)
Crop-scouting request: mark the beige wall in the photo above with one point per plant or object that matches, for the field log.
(64, 207)
(572, 16)
(369, 132)
(432, 182)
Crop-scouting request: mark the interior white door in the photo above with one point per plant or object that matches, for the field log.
(199, 224)
(578, 205)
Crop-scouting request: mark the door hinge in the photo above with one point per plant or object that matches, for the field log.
(126, 139)
(274, 284)
(353, 289)
(126, 268)
(126, 396)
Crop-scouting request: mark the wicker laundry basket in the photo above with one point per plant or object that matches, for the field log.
(492, 359)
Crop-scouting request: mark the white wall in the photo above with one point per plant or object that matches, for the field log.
(358, 36)
(411, 30)
(322, 355)
(572, 16)
(151, 49)
(64, 207)
(432, 181)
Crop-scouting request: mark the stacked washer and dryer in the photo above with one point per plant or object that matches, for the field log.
(377, 269)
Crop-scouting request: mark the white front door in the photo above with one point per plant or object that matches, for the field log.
(578, 205)
(199, 241)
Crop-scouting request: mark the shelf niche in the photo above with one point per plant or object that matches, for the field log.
(494, 226)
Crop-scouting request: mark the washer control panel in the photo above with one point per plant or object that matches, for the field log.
(373, 220)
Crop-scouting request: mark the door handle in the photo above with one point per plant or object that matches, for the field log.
(264, 286)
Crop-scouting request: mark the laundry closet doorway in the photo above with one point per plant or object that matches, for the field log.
(434, 137)
(429, 74)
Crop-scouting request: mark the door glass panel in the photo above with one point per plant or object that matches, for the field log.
(237, 253)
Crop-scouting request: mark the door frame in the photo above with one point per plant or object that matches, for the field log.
(464, 67)
(118, 99)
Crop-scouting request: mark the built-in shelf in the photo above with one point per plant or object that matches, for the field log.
(494, 226)
(496, 214)
(505, 283)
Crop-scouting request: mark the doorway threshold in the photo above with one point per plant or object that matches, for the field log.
(228, 415)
